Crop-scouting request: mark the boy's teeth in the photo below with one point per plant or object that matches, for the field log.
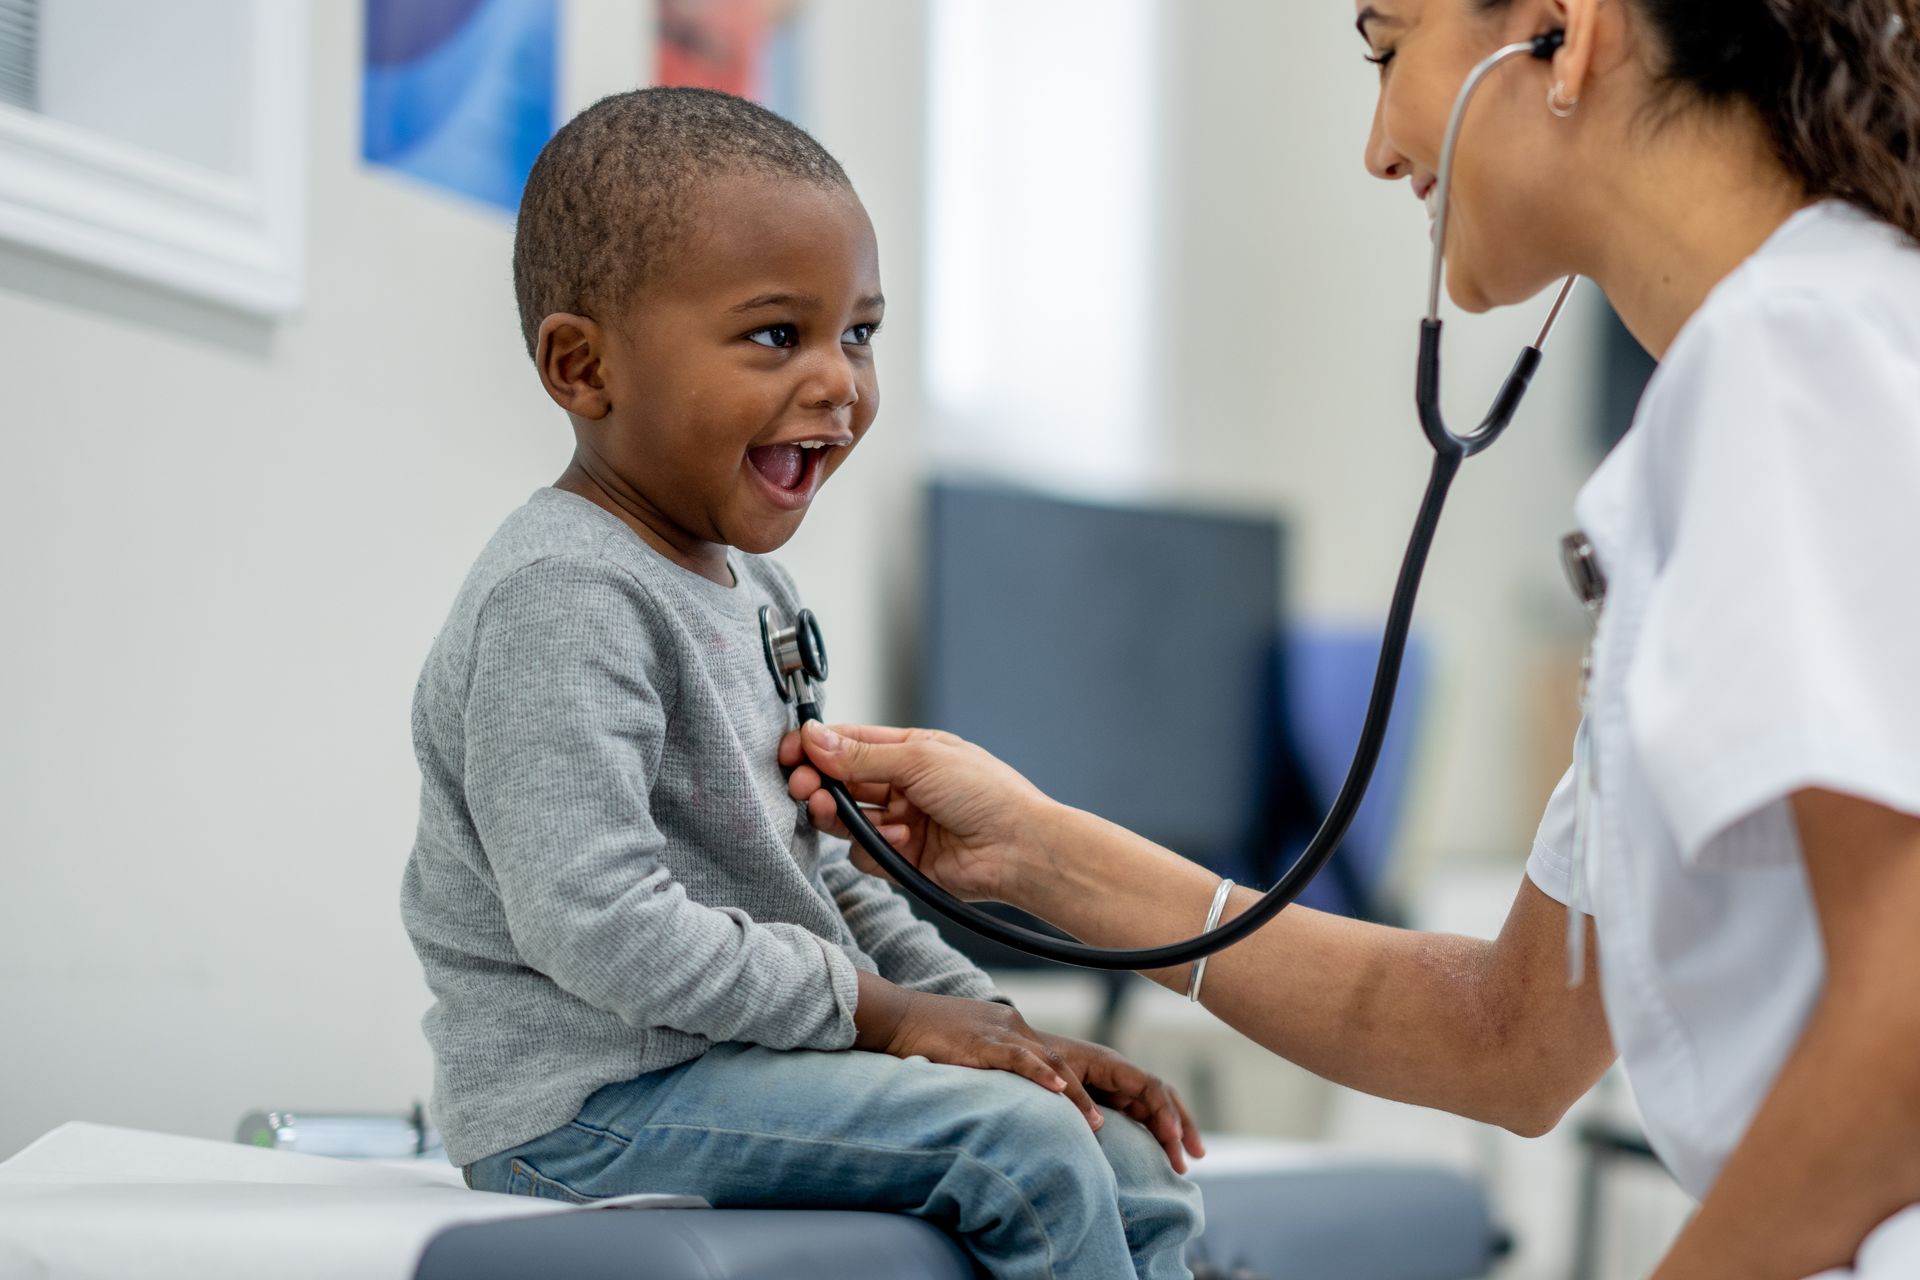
(782, 464)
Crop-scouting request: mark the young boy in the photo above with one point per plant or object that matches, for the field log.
(651, 973)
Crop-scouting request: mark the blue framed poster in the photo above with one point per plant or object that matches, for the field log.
(460, 93)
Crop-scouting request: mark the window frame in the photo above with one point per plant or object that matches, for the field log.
(234, 240)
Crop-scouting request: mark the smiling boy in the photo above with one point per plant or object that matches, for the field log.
(651, 974)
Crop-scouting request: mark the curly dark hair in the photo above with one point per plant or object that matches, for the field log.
(606, 196)
(1837, 83)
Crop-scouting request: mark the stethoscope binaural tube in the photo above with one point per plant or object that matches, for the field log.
(797, 658)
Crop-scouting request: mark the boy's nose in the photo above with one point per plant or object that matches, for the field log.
(834, 385)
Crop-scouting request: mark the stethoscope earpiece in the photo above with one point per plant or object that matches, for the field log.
(1548, 44)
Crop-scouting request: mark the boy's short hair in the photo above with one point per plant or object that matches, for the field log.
(605, 197)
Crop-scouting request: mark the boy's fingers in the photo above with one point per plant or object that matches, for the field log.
(1022, 1061)
(1177, 1107)
(1176, 1158)
(1194, 1143)
(1081, 1098)
(1166, 1127)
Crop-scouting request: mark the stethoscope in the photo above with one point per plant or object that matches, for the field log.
(797, 657)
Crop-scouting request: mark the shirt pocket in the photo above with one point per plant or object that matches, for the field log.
(525, 1180)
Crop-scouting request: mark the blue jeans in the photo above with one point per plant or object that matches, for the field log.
(1012, 1171)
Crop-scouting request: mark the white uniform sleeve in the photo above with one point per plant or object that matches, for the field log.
(1780, 649)
(1550, 865)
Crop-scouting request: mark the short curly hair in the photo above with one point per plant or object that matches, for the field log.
(606, 195)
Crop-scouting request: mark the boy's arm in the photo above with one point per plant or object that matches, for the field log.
(564, 732)
(909, 950)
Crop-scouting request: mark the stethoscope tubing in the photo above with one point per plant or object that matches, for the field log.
(1321, 847)
(1450, 451)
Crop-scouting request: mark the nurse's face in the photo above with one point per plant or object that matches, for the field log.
(1504, 232)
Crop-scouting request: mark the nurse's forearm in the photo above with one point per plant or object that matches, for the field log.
(1482, 1029)
(1835, 1149)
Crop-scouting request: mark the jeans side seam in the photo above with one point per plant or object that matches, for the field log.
(522, 1169)
(596, 1132)
(1020, 1197)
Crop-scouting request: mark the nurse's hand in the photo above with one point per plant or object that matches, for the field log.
(952, 809)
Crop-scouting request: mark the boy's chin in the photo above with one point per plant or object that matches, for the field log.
(764, 537)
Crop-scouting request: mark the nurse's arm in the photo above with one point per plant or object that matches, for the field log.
(1835, 1148)
(1484, 1029)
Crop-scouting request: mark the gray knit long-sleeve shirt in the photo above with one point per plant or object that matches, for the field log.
(609, 875)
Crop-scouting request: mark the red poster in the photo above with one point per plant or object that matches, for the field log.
(741, 47)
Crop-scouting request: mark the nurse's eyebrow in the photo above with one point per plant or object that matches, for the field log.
(1371, 14)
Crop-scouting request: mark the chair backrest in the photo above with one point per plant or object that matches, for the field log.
(1324, 678)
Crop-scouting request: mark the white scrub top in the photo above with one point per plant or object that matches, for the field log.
(1759, 527)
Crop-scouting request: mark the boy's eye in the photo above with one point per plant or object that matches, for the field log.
(860, 335)
(1381, 59)
(776, 335)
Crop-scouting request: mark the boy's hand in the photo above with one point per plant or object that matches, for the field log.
(1118, 1083)
(979, 1033)
(964, 1033)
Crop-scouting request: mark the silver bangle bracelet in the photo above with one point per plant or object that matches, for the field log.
(1213, 918)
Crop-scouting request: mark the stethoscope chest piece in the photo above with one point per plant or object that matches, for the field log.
(1582, 565)
(1582, 562)
(796, 655)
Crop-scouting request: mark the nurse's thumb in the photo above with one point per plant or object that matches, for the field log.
(848, 758)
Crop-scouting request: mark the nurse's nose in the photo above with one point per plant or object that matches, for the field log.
(1382, 160)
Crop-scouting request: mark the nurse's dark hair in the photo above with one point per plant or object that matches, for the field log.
(1837, 83)
(607, 199)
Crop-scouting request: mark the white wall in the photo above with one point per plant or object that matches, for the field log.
(226, 547)
(1041, 232)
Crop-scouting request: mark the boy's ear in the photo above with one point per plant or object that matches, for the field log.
(568, 354)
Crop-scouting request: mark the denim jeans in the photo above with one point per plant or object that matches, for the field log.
(1014, 1172)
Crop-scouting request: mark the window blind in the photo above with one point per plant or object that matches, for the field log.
(20, 53)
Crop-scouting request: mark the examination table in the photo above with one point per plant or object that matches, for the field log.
(89, 1200)
(1277, 1211)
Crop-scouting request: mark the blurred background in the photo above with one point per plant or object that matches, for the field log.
(1150, 335)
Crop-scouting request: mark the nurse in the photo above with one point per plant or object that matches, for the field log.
(1743, 180)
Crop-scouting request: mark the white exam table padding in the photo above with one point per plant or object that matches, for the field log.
(95, 1202)
(91, 1202)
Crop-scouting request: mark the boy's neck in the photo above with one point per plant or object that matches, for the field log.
(708, 559)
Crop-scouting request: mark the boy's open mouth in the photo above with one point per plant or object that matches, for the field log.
(789, 467)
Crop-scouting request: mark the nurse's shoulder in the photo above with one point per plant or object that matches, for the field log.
(1814, 339)
(1790, 397)
(1832, 266)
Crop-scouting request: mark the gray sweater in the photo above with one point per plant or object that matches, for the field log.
(609, 875)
